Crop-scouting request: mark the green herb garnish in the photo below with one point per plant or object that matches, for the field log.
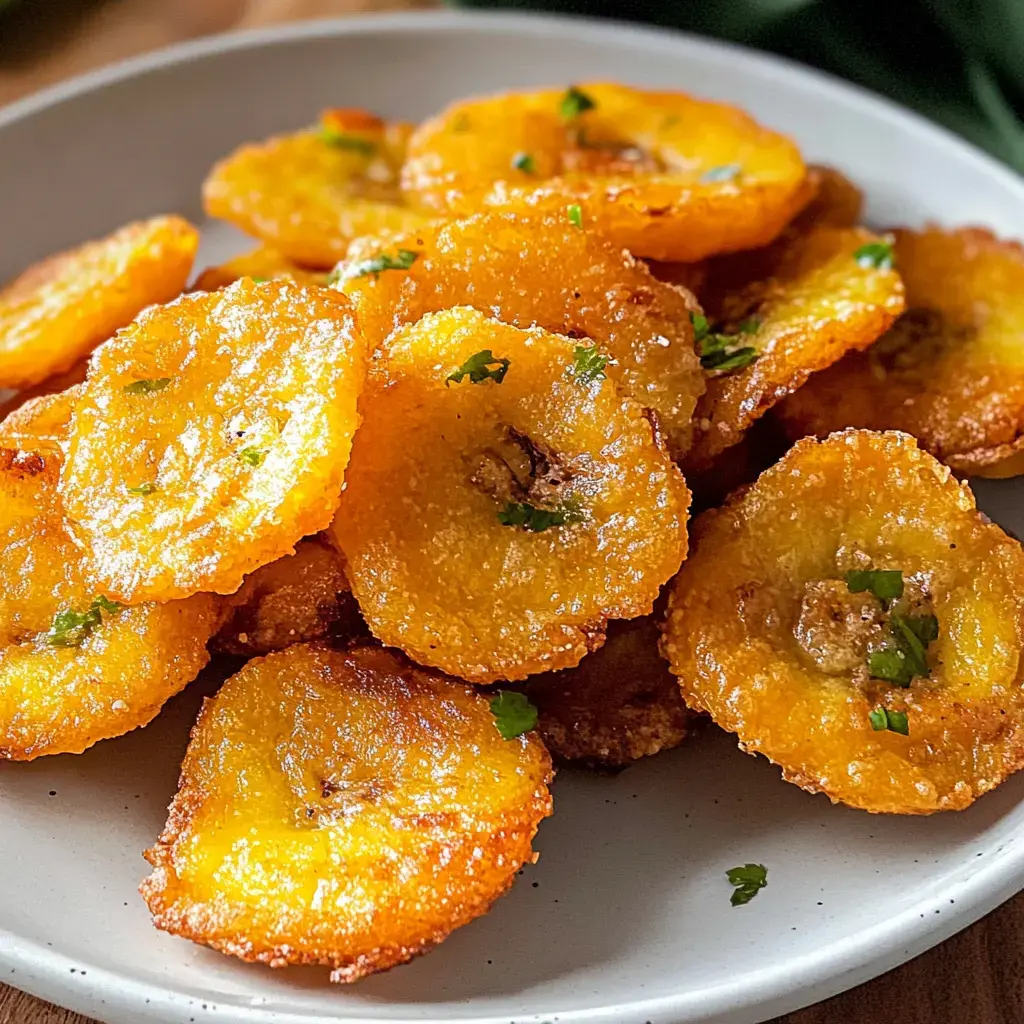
(724, 173)
(259, 280)
(70, 628)
(575, 215)
(894, 721)
(903, 655)
(574, 102)
(588, 364)
(877, 255)
(513, 714)
(719, 352)
(534, 519)
(253, 456)
(885, 584)
(142, 489)
(402, 260)
(343, 140)
(147, 386)
(480, 366)
(748, 880)
(524, 162)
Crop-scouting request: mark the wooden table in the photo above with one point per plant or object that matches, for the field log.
(976, 977)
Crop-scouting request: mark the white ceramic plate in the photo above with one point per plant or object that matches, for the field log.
(626, 918)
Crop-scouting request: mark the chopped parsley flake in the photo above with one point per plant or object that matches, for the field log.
(146, 387)
(574, 102)
(748, 881)
(575, 215)
(537, 520)
(253, 456)
(142, 489)
(513, 714)
(726, 172)
(260, 280)
(402, 260)
(70, 628)
(524, 162)
(894, 721)
(720, 352)
(885, 584)
(903, 655)
(588, 364)
(343, 140)
(875, 255)
(479, 367)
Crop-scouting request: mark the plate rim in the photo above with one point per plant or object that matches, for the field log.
(767, 992)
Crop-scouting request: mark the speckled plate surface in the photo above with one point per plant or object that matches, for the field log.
(626, 917)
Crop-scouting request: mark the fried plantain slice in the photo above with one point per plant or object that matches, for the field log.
(58, 310)
(300, 597)
(310, 193)
(853, 617)
(51, 386)
(75, 669)
(512, 267)
(779, 315)
(345, 809)
(41, 423)
(212, 435)
(951, 371)
(661, 174)
(619, 704)
(503, 500)
(837, 202)
(261, 264)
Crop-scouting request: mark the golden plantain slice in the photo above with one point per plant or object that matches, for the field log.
(51, 386)
(951, 371)
(298, 598)
(310, 193)
(661, 174)
(346, 809)
(58, 310)
(837, 202)
(619, 704)
(853, 617)
(513, 268)
(779, 315)
(212, 435)
(41, 423)
(261, 264)
(75, 669)
(503, 500)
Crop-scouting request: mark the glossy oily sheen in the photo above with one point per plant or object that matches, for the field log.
(951, 371)
(435, 465)
(661, 174)
(298, 598)
(811, 301)
(344, 809)
(619, 704)
(533, 270)
(58, 310)
(307, 197)
(236, 452)
(766, 637)
(62, 699)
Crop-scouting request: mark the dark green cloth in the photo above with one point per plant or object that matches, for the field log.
(960, 62)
